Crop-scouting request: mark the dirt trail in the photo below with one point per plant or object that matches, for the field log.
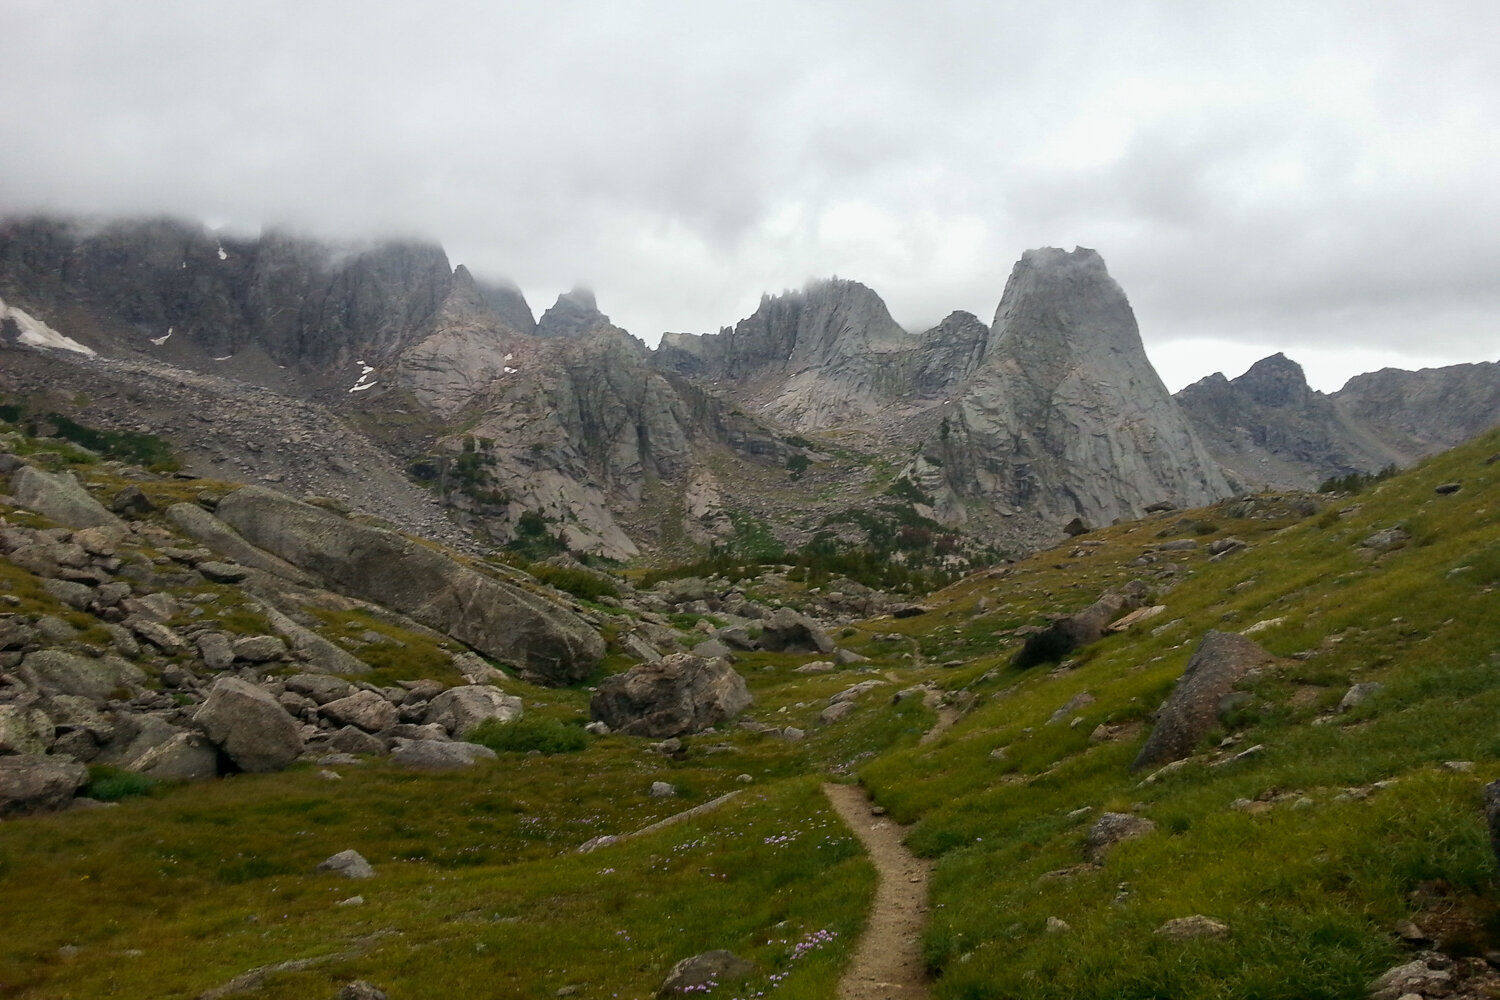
(888, 962)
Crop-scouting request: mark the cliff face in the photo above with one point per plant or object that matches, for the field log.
(1422, 412)
(1065, 416)
(179, 293)
(1050, 412)
(818, 358)
(1269, 428)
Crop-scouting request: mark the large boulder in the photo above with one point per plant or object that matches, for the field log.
(30, 783)
(320, 688)
(434, 755)
(546, 642)
(131, 736)
(25, 729)
(250, 726)
(55, 671)
(678, 694)
(61, 498)
(460, 709)
(1221, 661)
(1073, 631)
(363, 709)
(788, 631)
(182, 757)
(701, 973)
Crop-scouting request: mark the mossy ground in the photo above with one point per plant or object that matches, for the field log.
(1309, 849)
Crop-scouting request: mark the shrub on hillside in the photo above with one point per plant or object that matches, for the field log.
(528, 733)
(111, 784)
(578, 582)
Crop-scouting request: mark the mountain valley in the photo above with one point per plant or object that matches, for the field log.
(364, 636)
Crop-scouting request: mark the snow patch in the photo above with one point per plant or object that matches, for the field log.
(222, 254)
(224, 358)
(158, 341)
(363, 383)
(511, 371)
(35, 333)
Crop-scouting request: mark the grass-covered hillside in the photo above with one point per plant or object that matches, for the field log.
(1314, 835)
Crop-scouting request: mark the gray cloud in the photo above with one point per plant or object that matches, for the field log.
(1310, 178)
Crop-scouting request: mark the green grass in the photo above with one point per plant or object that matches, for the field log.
(111, 784)
(1310, 851)
(477, 889)
(528, 733)
(1312, 885)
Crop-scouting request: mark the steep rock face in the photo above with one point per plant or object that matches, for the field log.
(1065, 416)
(945, 356)
(1422, 412)
(179, 293)
(468, 348)
(808, 359)
(1269, 428)
(507, 303)
(576, 428)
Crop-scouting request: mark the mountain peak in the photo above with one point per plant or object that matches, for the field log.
(1275, 381)
(574, 314)
(1059, 306)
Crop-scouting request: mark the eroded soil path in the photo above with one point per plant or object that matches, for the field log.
(888, 961)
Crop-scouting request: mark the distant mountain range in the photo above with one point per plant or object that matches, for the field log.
(816, 419)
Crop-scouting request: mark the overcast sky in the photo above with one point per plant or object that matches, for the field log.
(1318, 178)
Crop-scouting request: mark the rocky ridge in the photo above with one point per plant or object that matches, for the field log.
(1269, 428)
(818, 406)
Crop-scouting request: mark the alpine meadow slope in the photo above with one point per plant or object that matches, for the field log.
(1327, 826)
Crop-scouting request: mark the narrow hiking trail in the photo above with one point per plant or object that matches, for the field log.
(887, 963)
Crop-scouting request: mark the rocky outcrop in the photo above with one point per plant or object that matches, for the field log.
(180, 293)
(60, 498)
(1221, 661)
(227, 430)
(1065, 417)
(1271, 430)
(1070, 632)
(458, 710)
(576, 431)
(31, 784)
(545, 642)
(199, 525)
(468, 348)
(677, 694)
(432, 755)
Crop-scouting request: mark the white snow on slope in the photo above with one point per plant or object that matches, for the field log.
(158, 341)
(38, 334)
(364, 373)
